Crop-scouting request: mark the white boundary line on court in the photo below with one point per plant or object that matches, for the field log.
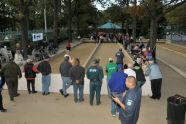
(91, 55)
(174, 44)
(173, 67)
(172, 50)
(125, 53)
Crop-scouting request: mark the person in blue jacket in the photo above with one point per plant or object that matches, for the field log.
(2, 82)
(155, 76)
(117, 87)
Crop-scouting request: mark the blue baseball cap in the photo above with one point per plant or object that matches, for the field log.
(150, 58)
(120, 66)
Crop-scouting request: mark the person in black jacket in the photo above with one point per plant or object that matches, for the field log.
(12, 72)
(64, 70)
(77, 74)
(30, 75)
(140, 77)
(2, 82)
(45, 69)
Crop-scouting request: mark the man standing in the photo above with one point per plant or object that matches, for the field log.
(155, 76)
(95, 76)
(111, 67)
(129, 71)
(140, 77)
(119, 57)
(2, 82)
(45, 69)
(101, 70)
(117, 87)
(64, 70)
(130, 106)
(77, 74)
(12, 72)
(18, 58)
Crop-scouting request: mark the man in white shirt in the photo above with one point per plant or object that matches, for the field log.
(129, 71)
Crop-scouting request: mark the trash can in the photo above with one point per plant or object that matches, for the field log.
(176, 108)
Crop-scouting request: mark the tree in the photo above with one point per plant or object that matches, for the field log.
(55, 26)
(156, 9)
(7, 16)
(177, 18)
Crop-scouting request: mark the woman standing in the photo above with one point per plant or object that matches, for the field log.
(77, 74)
(30, 75)
(155, 77)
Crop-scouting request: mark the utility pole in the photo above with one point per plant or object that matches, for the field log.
(134, 22)
(45, 20)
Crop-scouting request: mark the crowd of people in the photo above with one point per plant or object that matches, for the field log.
(124, 81)
(36, 52)
(112, 37)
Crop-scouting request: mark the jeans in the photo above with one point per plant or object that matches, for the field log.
(32, 83)
(46, 79)
(95, 87)
(66, 84)
(114, 107)
(108, 89)
(1, 101)
(140, 83)
(78, 97)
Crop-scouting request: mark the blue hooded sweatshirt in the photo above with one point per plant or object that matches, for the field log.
(117, 82)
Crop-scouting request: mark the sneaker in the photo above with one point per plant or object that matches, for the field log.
(113, 115)
(66, 95)
(43, 93)
(61, 91)
(75, 100)
(17, 95)
(3, 110)
(34, 92)
(98, 103)
(117, 114)
(47, 93)
(11, 99)
(81, 100)
(152, 97)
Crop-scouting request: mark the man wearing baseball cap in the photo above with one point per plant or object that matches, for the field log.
(94, 74)
(111, 67)
(117, 87)
(119, 56)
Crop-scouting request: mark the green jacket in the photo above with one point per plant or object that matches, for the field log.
(11, 70)
(110, 68)
(94, 73)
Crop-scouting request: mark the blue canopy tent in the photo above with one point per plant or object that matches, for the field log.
(110, 25)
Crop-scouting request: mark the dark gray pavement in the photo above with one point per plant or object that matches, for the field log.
(172, 58)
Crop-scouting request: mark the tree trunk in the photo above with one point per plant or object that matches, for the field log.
(70, 20)
(55, 25)
(24, 28)
(134, 29)
(153, 36)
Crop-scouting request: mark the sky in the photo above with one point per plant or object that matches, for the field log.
(101, 8)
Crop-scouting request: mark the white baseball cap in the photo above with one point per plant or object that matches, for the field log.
(110, 59)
